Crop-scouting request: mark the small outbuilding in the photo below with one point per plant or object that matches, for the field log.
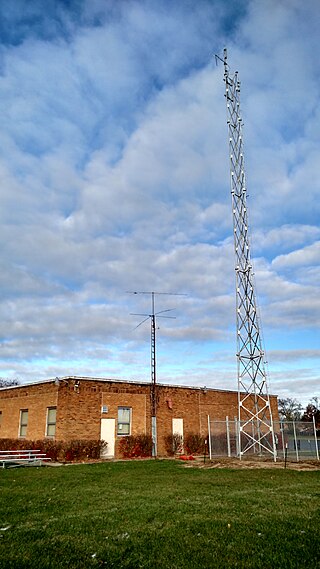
(68, 408)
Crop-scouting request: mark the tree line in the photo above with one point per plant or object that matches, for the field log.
(8, 382)
(291, 410)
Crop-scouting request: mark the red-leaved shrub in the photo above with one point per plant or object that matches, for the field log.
(60, 451)
(194, 443)
(136, 446)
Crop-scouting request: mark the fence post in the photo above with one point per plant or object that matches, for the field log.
(295, 440)
(228, 436)
(254, 438)
(236, 426)
(282, 437)
(209, 432)
(285, 455)
(315, 436)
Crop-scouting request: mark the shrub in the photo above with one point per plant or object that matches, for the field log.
(53, 449)
(77, 450)
(173, 444)
(136, 446)
(62, 451)
(126, 446)
(194, 443)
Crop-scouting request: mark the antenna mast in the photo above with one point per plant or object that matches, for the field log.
(154, 398)
(254, 411)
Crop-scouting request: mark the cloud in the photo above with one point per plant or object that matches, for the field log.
(307, 256)
(294, 355)
(285, 237)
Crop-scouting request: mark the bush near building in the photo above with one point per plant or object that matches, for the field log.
(138, 446)
(71, 451)
(194, 443)
(173, 444)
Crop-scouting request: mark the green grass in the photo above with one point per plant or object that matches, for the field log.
(154, 514)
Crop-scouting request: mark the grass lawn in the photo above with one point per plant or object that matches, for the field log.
(158, 514)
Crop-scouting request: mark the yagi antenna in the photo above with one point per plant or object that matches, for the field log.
(152, 318)
(151, 315)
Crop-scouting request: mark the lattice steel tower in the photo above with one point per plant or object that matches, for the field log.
(254, 414)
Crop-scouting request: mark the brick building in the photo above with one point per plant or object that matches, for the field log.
(86, 408)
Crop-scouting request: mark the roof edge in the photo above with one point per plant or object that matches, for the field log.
(120, 381)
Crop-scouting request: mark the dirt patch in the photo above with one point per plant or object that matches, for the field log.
(251, 464)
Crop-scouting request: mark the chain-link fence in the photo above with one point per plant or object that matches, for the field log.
(296, 439)
(223, 438)
(293, 440)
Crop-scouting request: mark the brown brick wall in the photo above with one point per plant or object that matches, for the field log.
(137, 402)
(36, 400)
(193, 406)
(80, 408)
(78, 413)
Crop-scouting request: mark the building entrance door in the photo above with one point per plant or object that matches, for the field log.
(177, 429)
(108, 427)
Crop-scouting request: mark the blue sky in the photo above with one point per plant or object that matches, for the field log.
(115, 177)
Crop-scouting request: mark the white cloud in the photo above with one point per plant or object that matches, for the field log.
(285, 237)
(294, 355)
(307, 256)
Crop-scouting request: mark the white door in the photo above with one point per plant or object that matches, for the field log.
(108, 427)
(177, 429)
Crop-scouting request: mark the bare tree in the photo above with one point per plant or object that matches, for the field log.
(289, 409)
(4, 382)
(313, 410)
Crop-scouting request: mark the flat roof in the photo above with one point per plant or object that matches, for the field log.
(114, 380)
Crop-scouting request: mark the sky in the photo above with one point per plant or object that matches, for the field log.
(114, 178)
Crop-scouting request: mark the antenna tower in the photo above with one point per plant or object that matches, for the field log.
(254, 410)
(154, 398)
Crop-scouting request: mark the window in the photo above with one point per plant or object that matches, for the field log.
(23, 422)
(51, 421)
(0, 418)
(124, 420)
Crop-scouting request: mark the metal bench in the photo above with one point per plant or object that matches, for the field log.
(14, 458)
